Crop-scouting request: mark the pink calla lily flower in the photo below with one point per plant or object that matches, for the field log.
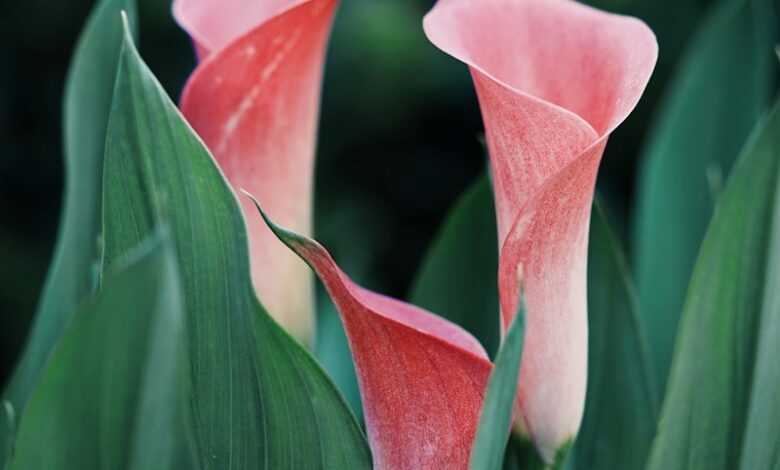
(554, 78)
(422, 379)
(254, 100)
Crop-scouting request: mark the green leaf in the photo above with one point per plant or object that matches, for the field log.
(725, 83)
(724, 374)
(761, 449)
(7, 432)
(621, 409)
(109, 397)
(496, 418)
(458, 279)
(259, 400)
(71, 276)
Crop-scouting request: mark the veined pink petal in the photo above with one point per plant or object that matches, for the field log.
(422, 379)
(254, 101)
(553, 78)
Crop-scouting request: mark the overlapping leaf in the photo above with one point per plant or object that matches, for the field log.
(724, 85)
(722, 394)
(258, 398)
(495, 421)
(72, 276)
(761, 448)
(110, 396)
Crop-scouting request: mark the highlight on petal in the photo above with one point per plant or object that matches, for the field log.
(254, 100)
(422, 378)
(213, 24)
(553, 78)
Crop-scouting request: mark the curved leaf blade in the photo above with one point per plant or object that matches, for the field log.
(725, 84)
(762, 443)
(495, 419)
(71, 277)
(725, 323)
(109, 397)
(258, 400)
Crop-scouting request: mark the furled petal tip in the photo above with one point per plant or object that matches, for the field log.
(553, 78)
(421, 378)
(254, 100)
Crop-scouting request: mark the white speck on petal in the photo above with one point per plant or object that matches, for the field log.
(279, 57)
(235, 119)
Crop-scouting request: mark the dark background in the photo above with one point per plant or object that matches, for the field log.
(399, 135)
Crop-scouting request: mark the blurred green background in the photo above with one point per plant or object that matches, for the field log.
(399, 137)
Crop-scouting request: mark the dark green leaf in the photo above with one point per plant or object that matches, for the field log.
(725, 83)
(258, 400)
(109, 396)
(621, 408)
(726, 328)
(71, 276)
(458, 279)
(496, 418)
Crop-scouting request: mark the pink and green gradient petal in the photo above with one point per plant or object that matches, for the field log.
(554, 78)
(254, 100)
(422, 378)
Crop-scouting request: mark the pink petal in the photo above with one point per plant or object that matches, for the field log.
(554, 78)
(255, 103)
(422, 379)
(213, 24)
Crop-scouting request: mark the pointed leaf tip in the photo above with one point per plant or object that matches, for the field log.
(125, 21)
(291, 239)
